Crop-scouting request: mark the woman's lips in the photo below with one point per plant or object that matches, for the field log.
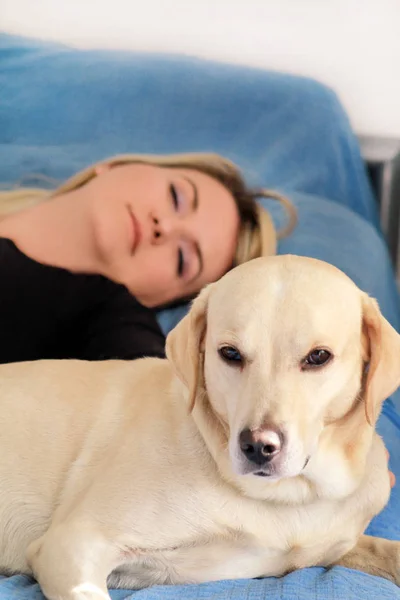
(137, 233)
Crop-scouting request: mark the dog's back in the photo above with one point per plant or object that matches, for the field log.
(57, 419)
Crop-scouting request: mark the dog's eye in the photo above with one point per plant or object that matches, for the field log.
(317, 358)
(230, 354)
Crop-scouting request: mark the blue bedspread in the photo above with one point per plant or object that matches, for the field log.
(62, 109)
(308, 584)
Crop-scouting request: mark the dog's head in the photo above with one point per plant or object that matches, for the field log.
(281, 352)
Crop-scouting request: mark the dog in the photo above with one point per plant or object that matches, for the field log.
(250, 451)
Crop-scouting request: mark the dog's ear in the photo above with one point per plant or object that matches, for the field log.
(381, 344)
(184, 344)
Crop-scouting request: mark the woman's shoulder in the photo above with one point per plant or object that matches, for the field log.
(7, 247)
(19, 271)
(71, 315)
(16, 265)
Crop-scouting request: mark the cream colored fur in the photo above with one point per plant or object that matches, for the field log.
(130, 473)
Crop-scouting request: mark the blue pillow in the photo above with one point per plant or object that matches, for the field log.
(62, 109)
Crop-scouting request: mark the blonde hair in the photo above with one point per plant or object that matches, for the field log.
(257, 236)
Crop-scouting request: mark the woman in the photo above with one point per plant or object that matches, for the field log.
(82, 270)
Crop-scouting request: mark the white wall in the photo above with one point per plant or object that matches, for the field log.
(353, 45)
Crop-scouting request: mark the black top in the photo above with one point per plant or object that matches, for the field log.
(47, 312)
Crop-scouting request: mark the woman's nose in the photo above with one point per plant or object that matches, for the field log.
(163, 229)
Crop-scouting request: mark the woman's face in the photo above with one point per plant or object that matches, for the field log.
(164, 233)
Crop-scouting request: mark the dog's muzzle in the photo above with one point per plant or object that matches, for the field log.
(261, 446)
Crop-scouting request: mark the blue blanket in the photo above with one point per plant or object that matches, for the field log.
(61, 109)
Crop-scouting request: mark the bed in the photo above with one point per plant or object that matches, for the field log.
(61, 109)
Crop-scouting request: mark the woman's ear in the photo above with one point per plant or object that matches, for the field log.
(184, 346)
(382, 345)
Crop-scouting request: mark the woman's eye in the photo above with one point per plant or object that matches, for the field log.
(317, 358)
(186, 263)
(176, 200)
(181, 263)
(230, 354)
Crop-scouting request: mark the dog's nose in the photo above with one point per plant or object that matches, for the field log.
(260, 446)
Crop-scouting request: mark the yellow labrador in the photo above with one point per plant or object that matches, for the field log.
(250, 452)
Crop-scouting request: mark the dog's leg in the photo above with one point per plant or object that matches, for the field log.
(72, 562)
(375, 556)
